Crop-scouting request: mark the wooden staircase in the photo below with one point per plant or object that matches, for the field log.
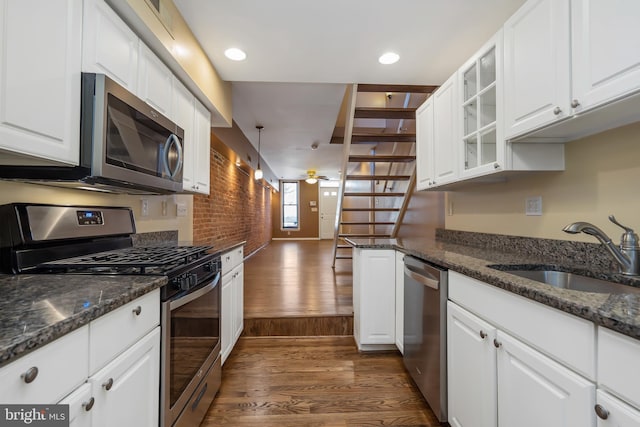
(378, 169)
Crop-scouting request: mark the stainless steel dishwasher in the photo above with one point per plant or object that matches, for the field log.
(425, 331)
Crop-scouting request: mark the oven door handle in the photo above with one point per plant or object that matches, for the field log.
(194, 295)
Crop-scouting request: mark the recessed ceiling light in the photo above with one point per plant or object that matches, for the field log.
(235, 54)
(389, 58)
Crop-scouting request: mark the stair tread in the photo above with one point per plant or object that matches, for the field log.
(378, 177)
(374, 194)
(396, 88)
(369, 137)
(384, 113)
(363, 235)
(386, 159)
(367, 223)
(370, 209)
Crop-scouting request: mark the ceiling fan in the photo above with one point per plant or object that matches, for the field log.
(312, 177)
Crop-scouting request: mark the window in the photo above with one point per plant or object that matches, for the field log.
(290, 204)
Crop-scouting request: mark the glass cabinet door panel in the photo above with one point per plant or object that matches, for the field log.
(488, 107)
(487, 69)
(488, 147)
(471, 152)
(470, 118)
(470, 83)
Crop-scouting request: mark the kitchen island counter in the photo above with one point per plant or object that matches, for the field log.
(619, 312)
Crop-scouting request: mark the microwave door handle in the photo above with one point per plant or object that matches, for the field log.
(173, 139)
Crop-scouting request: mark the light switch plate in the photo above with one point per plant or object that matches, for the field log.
(181, 209)
(533, 206)
(144, 207)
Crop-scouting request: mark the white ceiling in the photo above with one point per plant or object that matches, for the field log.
(301, 53)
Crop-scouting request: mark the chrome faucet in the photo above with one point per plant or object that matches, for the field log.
(627, 255)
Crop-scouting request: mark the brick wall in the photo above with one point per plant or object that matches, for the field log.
(236, 209)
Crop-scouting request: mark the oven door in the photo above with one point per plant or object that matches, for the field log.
(190, 347)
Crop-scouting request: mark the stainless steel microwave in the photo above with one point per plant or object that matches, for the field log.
(126, 146)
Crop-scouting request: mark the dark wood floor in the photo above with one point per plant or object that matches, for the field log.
(308, 380)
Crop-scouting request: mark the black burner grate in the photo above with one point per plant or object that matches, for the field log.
(138, 260)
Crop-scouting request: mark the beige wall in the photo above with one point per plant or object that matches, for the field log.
(18, 192)
(602, 177)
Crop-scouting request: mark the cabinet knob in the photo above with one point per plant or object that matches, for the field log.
(575, 103)
(137, 310)
(108, 384)
(496, 343)
(31, 374)
(557, 110)
(88, 405)
(496, 166)
(483, 334)
(601, 412)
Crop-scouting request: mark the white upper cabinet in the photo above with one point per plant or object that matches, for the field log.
(536, 66)
(40, 81)
(155, 81)
(566, 58)
(483, 146)
(424, 145)
(436, 152)
(605, 38)
(183, 106)
(203, 151)
(108, 45)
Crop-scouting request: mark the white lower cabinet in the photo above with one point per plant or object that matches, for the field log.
(496, 380)
(534, 391)
(374, 278)
(471, 360)
(81, 403)
(126, 390)
(400, 301)
(613, 412)
(232, 300)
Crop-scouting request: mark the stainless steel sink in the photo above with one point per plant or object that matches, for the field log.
(576, 282)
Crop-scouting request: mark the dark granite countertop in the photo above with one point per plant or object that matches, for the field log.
(37, 309)
(619, 312)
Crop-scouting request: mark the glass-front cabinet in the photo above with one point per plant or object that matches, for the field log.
(482, 150)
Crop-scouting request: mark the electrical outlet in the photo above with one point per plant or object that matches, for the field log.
(144, 207)
(164, 208)
(533, 206)
(181, 209)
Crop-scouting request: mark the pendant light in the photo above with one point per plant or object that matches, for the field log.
(258, 172)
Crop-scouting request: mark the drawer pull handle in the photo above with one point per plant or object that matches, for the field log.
(88, 405)
(601, 412)
(137, 310)
(575, 103)
(557, 111)
(30, 375)
(496, 343)
(483, 334)
(108, 384)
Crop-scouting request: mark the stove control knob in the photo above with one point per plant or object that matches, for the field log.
(208, 266)
(193, 280)
(183, 282)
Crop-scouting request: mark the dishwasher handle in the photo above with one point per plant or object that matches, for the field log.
(432, 283)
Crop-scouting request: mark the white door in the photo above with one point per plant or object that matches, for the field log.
(535, 391)
(471, 367)
(155, 81)
(328, 208)
(80, 403)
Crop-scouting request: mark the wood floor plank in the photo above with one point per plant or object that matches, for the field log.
(315, 381)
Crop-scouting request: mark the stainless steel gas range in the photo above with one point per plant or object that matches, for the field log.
(97, 240)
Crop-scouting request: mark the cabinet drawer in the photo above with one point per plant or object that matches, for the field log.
(545, 328)
(232, 258)
(114, 332)
(618, 372)
(61, 367)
